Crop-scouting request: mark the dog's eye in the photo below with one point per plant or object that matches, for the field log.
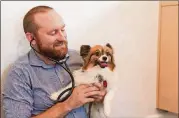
(107, 53)
(97, 53)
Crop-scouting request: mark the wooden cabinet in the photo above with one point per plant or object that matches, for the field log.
(167, 79)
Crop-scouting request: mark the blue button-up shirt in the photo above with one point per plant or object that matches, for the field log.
(30, 82)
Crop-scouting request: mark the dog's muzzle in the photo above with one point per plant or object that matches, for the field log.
(102, 64)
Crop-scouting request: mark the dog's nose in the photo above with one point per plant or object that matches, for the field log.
(104, 58)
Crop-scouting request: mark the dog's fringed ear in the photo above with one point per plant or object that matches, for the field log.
(109, 45)
(84, 50)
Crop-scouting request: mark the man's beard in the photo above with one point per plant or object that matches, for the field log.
(57, 52)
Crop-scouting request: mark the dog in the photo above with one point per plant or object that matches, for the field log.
(99, 66)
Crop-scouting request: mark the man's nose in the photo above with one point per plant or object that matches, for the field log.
(62, 36)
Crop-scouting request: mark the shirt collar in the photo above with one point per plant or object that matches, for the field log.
(36, 61)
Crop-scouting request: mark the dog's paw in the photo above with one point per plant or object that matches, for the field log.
(107, 103)
(54, 96)
(107, 110)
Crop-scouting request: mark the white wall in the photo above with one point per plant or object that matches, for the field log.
(131, 27)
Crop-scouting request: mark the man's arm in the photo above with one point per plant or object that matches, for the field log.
(59, 110)
(17, 95)
(18, 98)
(80, 96)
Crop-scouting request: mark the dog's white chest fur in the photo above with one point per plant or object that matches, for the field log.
(92, 76)
(99, 110)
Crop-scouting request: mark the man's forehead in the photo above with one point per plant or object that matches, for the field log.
(48, 19)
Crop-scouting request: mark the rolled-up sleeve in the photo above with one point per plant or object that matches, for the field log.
(17, 95)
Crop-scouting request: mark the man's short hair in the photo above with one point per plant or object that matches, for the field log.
(29, 24)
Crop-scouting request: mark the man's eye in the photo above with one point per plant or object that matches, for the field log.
(62, 30)
(53, 32)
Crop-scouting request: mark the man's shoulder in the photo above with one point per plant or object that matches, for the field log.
(75, 60)
(74, 55)
(18, 71)
(21, 63)
(73, 52)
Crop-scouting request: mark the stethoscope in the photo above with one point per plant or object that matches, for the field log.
(66, 68)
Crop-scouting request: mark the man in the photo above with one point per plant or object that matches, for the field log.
(33, 77)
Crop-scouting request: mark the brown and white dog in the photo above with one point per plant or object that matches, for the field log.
(99, 66)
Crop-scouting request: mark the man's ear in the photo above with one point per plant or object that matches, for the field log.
(30, 37)
(84, 50)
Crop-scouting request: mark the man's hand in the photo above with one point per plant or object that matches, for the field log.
(102, 93)
(82, 95)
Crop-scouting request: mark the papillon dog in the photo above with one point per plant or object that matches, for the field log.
(98, 66)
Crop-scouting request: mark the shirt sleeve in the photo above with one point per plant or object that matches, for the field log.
(17, 95)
